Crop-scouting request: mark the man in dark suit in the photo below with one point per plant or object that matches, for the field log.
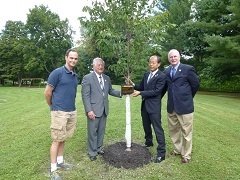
(95, 89)
(150, 88)
(182, 85)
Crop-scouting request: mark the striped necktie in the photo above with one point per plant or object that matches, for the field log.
(101, 84)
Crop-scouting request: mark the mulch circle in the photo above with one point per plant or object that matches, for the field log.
(117, 156)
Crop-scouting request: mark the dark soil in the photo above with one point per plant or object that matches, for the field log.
(117, 156)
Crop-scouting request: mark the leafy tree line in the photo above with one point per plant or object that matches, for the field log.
(211, 34)
(205, 32)
(125, 33)
(33, 49)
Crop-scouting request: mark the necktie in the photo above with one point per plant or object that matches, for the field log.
(173, 72)
(101, 84)
(149, 77)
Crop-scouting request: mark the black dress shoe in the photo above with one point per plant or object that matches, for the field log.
(147, 145)
(101, 152)
(93, 158)
(158, 159)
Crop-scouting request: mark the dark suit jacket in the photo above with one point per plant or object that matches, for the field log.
(181, 89)
(151, 92)
(92, 95)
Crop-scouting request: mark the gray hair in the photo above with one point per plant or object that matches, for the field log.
(95, 60)
(174, 50)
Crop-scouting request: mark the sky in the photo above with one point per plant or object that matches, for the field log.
(17, 10)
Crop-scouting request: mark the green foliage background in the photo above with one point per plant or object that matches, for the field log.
(125, 33)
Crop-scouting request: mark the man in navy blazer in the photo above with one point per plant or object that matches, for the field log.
(95, 89)
(150, 88)
(182, 85)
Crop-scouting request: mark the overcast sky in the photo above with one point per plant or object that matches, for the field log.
(17, 10)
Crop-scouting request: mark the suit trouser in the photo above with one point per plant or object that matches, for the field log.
(153, 119)
(180, 130)
(96, 131)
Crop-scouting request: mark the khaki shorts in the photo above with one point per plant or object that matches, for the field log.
(63, 124)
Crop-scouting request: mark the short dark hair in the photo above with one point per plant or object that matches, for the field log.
(70, 50)
(158, 57)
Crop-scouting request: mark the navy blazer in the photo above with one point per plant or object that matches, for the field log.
(151, 92)
(181, 89)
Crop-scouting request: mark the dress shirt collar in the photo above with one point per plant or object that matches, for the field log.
(176, 67)
(99, 78)
(154, 72)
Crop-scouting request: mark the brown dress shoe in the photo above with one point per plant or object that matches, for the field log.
(185, 160)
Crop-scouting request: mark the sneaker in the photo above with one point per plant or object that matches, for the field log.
(55, 176)
(64, 165)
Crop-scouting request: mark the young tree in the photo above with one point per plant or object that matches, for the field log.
(127, 33)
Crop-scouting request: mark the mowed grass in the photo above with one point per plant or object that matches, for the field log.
(25, 139)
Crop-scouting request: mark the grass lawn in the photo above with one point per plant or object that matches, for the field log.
(25, 139)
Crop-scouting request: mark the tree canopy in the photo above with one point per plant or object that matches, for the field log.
(124, 32)
(36, 48)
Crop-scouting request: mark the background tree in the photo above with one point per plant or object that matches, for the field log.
(49, 38)
(224, 44)
(87, 51)
(183, 35)
(12, 43)
(178, 13)
(207, 35)
(36, 48)
(221, 21)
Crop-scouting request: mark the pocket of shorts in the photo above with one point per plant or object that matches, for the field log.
(58, 127)
(57, 133)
